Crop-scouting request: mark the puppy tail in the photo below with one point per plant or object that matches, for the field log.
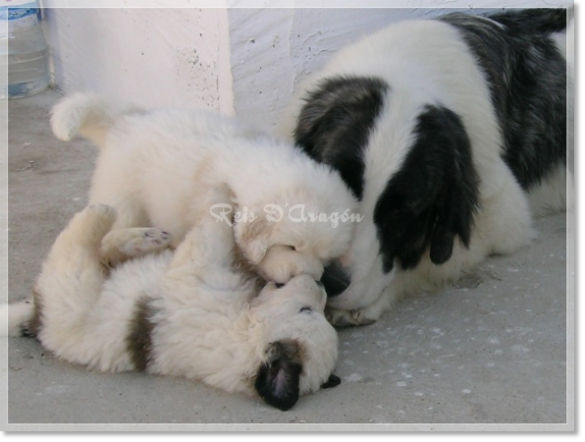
(88, 115)
(15, 318)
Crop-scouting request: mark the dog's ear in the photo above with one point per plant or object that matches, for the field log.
(277, 380)
(432, 198)
(334, 124)
(253, 237)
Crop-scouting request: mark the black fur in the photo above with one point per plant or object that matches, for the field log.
(432, 199)
(334, 125)
(277, 380)
(31, 329)
(433, 196)
(139, 339)
(27, 332)
(537, 20)
(333, 381)
(527, 77)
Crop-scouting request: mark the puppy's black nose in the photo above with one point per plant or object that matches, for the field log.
(335, 279)
(278, 285)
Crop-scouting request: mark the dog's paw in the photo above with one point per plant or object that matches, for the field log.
(136, 241)
(348, 318)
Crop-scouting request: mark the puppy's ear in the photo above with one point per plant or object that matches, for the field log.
(253, 237)
(277, 380)
(432, 198)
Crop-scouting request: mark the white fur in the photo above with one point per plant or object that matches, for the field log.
(426, 62)
(211, 323)
(13, 316)
(155, 167)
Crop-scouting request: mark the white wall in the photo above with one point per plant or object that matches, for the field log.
(154, 57)
(240, 60)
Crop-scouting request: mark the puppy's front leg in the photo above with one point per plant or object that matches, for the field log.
(210, 244)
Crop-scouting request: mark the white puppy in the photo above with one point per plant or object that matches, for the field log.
(155, 167)
(185, 314)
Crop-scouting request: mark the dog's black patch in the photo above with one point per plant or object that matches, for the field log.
(432, 198)
(139, 339)
(334, 124)
(527, 78)
(537, 20)
(277, 380)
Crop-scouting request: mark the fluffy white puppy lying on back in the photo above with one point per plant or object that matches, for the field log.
(155, 167)
(189, 313)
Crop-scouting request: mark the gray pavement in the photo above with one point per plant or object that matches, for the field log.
(491, 349)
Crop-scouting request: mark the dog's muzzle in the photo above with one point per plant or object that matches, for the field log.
(335, 279)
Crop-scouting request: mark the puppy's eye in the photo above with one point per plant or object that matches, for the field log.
(278, 285)
(305, 309)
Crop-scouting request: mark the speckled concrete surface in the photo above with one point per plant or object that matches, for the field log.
(490, 350)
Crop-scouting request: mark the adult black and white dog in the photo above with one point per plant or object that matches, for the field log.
(450, 132)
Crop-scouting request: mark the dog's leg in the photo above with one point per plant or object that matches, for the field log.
(70, 285)
(119, 245)
(207, 252)
(110, 190)
(211, 241)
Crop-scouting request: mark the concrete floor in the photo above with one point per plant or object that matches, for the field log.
(490, 350)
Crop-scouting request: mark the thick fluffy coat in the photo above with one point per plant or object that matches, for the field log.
(449, 132)
(155, 167)
(189, 313)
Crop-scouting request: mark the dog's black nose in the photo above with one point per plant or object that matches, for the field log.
(335, 279)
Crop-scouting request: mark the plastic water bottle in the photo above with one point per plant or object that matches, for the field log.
(24, 54)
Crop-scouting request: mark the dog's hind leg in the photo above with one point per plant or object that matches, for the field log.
(70, 284)
(122, 244)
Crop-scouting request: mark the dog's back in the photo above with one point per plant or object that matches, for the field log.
(526, 72)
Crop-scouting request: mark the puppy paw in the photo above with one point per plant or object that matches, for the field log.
(143, 241)
(130, 243)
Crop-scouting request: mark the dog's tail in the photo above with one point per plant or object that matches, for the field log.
(15, 318)
(88, 115)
